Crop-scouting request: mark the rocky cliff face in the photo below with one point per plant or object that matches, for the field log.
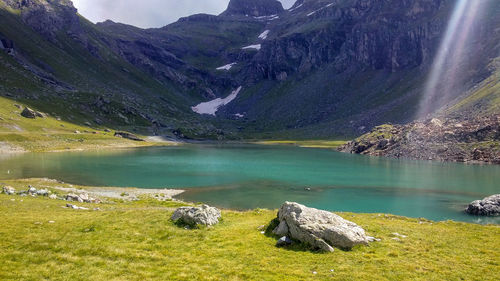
(49, 17)
(459, 140)
(323, 68)
(253, 8)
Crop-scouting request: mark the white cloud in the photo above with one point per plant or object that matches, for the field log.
(150, 13)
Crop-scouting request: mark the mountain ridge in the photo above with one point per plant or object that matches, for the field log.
(323, 69)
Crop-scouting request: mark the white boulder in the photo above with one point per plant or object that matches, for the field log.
(318, 228)
(204, 215)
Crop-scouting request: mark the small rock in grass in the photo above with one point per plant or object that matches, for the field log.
(203, 215)
(283, 241)
(8, 190)
(42, 192)
(75, 207)
(51, 221)
(53, 196)
(31, 190)
(372, 239)
(399, 235)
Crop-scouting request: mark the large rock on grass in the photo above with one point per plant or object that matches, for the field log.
(320, 229)
(489, 206)
(204, 215)
(32, 114)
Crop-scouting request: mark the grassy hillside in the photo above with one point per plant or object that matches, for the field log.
(484, 99)
(137, 241)
(50, 134)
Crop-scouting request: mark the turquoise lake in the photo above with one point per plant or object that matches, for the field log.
(255, 176)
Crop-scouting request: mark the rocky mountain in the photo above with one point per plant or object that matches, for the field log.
(256, 8)
(321, 69)
(472, 140)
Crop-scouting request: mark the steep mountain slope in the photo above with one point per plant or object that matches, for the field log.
(323, 68)
(331, 67)
(63, 65)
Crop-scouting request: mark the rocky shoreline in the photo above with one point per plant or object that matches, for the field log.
(55, 189)
(474, 140)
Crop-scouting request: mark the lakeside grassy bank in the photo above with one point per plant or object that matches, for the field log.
(135, 240)
(50, 134)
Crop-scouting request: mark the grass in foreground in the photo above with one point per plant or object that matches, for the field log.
(137, 241)
(306, 143)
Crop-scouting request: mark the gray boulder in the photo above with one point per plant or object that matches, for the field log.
(73, 197)
(32, 114)
(281, 229)
(42, 192)
(127, 135)
(489, 206)
(9, 190)
(320, 229)
(82, 198)
(28, 113)
(204, 215)
(31, 190)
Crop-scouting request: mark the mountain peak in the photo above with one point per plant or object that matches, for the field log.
(255, 8)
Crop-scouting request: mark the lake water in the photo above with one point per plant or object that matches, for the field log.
(254, 176)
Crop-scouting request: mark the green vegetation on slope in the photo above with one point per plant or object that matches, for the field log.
(50, 134)
(137, 241)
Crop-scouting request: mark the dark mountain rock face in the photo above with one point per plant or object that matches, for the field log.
(323, 68)
(49, 17)
(254, 8)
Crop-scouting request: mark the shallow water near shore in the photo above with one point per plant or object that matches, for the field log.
(255, 176)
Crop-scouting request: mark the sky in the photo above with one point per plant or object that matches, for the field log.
(150, 13)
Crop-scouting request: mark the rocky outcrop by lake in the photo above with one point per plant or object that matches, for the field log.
(458, 140)
(489, 206)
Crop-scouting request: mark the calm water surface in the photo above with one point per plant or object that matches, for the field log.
(251, 176)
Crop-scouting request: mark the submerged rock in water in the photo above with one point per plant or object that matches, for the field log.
(204, 215)
(489, 206)
(320, 229)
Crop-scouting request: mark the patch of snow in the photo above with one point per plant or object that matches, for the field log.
(256, 47)
(293, 9)
(314, 12)
(227, 66)
(264, 34)
(212, 106)
(271, 17)
(239, 115)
